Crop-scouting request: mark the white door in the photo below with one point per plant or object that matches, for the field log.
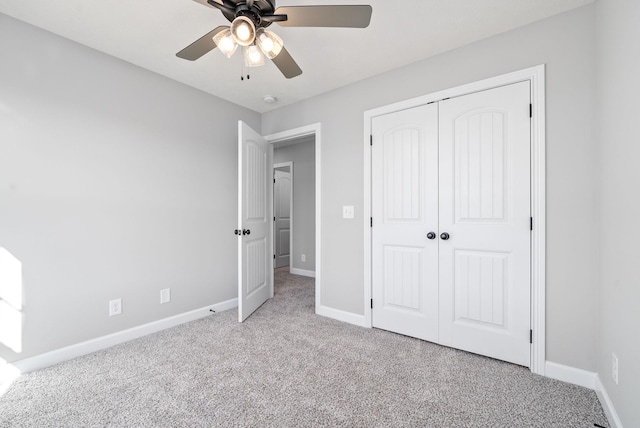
(282, 199)
(458, 168)
(405, 211)
(255, 266)
(485, 210)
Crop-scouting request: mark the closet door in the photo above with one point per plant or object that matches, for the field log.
(405, 211)
(484, 233)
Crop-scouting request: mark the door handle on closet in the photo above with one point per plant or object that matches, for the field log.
(246, 231)
(444, 236)
(431, 235)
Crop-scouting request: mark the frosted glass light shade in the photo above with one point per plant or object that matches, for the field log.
(243, 31)
(269, 42)
(253, 56)
(225, 42)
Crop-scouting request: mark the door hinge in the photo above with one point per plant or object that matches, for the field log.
(530, 223)
(530, 110)
(530, 336)
(371, 221)
(274, 219)
(371, 140)
(274, 257)
(371, 303)
(274, 181)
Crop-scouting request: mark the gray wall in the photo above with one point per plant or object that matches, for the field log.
(114, 182)
(302, 154)
(618, 65)
(566, 43)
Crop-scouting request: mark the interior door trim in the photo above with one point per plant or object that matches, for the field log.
(536, 77)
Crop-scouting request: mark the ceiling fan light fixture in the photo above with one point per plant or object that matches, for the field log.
(253, 56)
(243, 31)
(269, 42)
(225, 42)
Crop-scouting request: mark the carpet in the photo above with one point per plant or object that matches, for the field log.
(287, 367)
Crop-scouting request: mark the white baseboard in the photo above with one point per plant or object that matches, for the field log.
(341, 315)
(63, 354)
(589, 380)
(302, 272)
(607, 405)
(570, 375)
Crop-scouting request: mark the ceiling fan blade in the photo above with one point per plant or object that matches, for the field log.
(273, 18)
(225, 6)
(201, 46)
(357, 16)
(286, 64)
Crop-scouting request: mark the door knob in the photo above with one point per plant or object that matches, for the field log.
(236, 232)
(431, 235)
(444, 236)
(246, 231)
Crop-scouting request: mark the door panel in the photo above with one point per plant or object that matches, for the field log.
(485, 208)
(404, 207)
(254, 208)
(480, 157)
(479, 288)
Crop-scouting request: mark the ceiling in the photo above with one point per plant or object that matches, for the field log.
(148, 33)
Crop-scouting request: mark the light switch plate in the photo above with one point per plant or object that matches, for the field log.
(347, 211)
(165, 295)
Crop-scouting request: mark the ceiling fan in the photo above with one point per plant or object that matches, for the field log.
(250, 19)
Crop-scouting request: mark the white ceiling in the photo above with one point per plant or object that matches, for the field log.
(148, 33)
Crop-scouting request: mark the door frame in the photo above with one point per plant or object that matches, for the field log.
(536, 77)
(291, 134)
(289, 165)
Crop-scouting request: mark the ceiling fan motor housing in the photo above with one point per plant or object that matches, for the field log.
(254, 12)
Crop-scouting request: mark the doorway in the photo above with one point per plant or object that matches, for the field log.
(256, 215)
(294, 205)
(536, 114)
(302, 147)
(451, 239)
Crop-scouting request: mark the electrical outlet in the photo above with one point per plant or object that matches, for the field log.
(115, 307)
(303, 258)
(347, 211)
(614, 368)
(165, 295)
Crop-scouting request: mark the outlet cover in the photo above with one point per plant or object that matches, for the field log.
(348, 211)
(303, 258)
(115, 307)
(165, 295)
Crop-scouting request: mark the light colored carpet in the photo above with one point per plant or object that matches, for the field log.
(286, 366)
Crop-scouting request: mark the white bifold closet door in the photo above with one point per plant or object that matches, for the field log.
(405, 210)
(479, 299)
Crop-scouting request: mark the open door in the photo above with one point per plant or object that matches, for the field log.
(282, 213)
(255, 187)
